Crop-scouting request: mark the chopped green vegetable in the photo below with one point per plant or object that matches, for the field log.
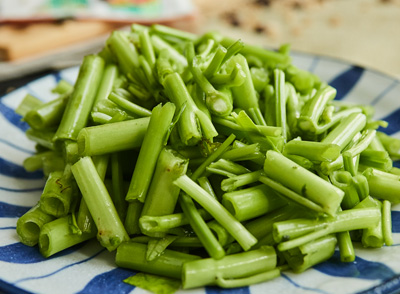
(208, 161)
(154, 284)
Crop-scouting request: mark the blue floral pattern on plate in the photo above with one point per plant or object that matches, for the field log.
(88, 268)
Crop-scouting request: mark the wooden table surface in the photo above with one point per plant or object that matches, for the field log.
(364, 32)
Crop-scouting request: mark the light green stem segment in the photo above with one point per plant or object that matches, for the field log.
(345, 131)
(232, 183)
(153, 142)
(133, 213)
(303, 182)
(111, 231)
(110, 74)
(160, 45)
(309, 254)
(237, 269)
(313, 109)
(133, 256)
(30, 224)
(129, 106)
(124, 52)
(199, 226)
(62, 87)
(383, 187)
(387, 223)
(213, 157)
(346, 248)
(350, 186)
(57, 235)
(168, 31)
(192, 119)
(252, 202)
(302, 231)
(84, 219)
(147, 47)
(280, 101)
(314, 151)
(269, 57)
(244, 96)
(372, 236)
(223, 237)
(35, 161)
(232, 225)
(28, 103)
(159, 225)
(80, 103)
(43, 137)
(58, 193)
(49, 114)
(120, 136)
(163, 194)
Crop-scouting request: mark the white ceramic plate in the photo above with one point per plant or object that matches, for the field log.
(88, 268)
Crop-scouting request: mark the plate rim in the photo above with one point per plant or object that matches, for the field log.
(389, 286)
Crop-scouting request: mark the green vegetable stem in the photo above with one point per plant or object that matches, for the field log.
(80, 103)
(111, 231)
(236, 270)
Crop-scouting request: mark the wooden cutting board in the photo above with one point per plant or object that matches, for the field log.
(18, 41)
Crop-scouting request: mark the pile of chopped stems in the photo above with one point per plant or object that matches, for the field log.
(204, 159)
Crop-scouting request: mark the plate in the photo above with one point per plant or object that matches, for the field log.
(88, 268)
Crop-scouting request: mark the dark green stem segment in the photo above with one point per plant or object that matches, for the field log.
(133, 256)
(234, 270)
(153, 142)
(79, 105)
(118, 191)
(111, 231)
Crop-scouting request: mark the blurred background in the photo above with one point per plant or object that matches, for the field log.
(40, 36)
